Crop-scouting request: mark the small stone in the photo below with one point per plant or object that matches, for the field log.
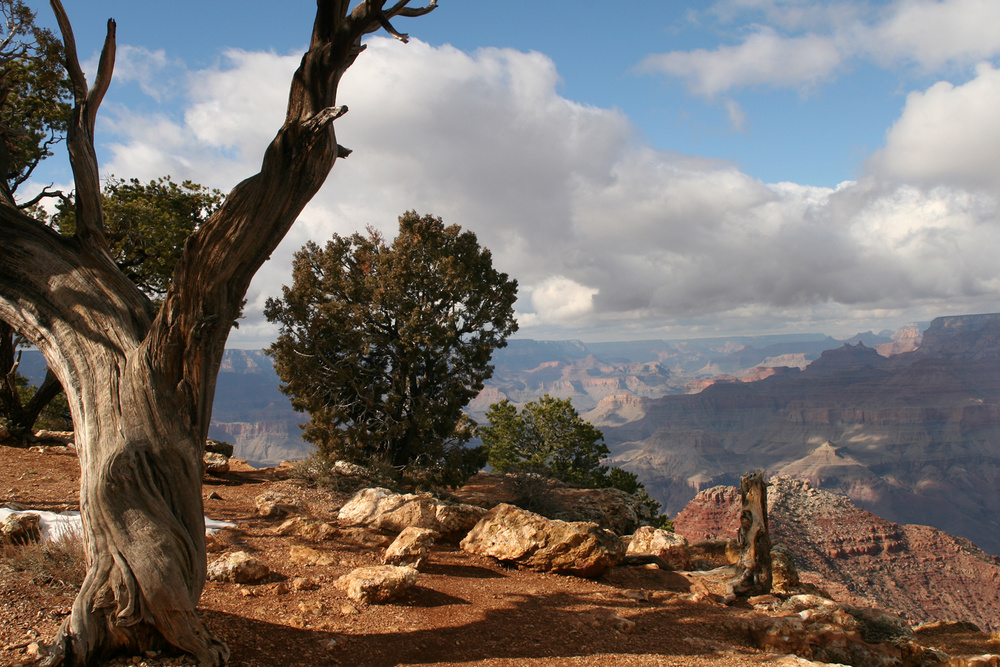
(348, 610)
(304, 584)
(239, 567)
(638, 596)
(280, 588)
(310, 557)
(380, 583)
(622, 625)
(214, 496)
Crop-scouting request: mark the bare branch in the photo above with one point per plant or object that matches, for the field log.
(80, 133)
(369, 16)
(44, 194)
(73, 68)
(402, 10)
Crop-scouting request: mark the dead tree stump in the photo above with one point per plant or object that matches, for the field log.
(753, 572)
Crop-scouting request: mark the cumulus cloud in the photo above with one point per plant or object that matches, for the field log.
(797, 44)
(948, 134)
(558, 300)
(934, 33)
(601, 231)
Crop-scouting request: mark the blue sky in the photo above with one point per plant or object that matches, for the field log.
(645, 169)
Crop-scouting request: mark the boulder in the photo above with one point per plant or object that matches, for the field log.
(710, 554)
(20, 528)
(215, 464)
(672, 548)
(384, 510)
(410, 547)
(274, 505)
(612, 509)
(306, 527)
(219, 447)
(380, 583)
(238, 568)
(529, 540)
(834, 634)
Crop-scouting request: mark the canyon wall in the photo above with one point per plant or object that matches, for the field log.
(914, 438)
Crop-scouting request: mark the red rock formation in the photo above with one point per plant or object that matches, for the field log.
(918, 571)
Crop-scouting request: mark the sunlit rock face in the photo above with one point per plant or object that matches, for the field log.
(914, 438)
(918, 571)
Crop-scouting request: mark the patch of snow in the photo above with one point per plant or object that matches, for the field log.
(64, 525)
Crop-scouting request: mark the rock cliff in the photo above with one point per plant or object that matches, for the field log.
(914, 438)
(920, 572)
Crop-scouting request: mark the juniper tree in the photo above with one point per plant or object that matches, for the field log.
(384, 344)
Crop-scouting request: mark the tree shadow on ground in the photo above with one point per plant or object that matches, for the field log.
(433, 627)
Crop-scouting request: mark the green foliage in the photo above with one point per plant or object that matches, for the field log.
(549, 438)
(385, 344)
(34, 93)
(146, 225)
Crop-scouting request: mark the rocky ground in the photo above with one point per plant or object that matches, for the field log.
(464, 610)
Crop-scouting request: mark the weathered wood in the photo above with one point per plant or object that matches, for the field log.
(140, 382)
(753, 572)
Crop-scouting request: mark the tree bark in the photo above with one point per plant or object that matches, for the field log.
(753, 572)
(140, 383)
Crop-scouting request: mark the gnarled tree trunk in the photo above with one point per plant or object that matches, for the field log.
(753, 572)
(140, 383)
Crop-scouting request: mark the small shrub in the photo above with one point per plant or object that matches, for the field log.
(317, 470)
(532, 492)
(663, 522)
(59, 563)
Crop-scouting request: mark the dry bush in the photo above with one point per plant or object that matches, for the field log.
(59, 563)
(533, 492)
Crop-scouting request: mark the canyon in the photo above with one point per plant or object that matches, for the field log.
(913, 437)
(905, 424)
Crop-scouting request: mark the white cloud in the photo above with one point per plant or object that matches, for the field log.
(241, 103)
(948, 134)
(798, 44)
(934, 33)
(559, 299)
(763, 58)
(612, 235)
(153, 71)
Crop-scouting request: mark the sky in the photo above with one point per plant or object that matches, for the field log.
(645, 169)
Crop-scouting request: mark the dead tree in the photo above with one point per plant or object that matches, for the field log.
(753, 572)
(140, 381)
